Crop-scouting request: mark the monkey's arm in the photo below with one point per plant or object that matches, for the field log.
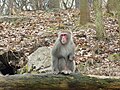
(71, 54)
(55, 64)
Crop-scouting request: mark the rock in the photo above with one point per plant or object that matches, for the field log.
(40, 59)
(11, 61)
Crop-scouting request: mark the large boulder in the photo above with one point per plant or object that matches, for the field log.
(40, 59)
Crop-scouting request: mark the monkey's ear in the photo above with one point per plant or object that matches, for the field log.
(70, 32)
(59, 33)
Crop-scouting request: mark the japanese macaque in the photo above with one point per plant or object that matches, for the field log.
(63, 54)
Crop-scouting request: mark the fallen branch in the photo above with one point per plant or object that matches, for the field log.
(57, 82)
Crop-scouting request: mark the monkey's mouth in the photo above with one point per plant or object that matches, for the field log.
(63, 42)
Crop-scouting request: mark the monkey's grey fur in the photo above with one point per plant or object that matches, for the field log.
(63, 55)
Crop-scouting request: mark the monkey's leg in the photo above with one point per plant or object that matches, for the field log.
(63, 66)
(55, 65)
(71, 66)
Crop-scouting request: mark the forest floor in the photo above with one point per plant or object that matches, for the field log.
(39, 28)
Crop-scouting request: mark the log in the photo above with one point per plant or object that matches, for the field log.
(13, 18)
(57, 82)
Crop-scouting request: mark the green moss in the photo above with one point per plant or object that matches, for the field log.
(115, 56)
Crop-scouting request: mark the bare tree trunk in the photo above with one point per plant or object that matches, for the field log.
(23, 4)
(53, 4)
(2, 7)
(36, 4)
(40, 4)
(118, 12)
(111, 6)
(65, 4)
(11, 7)
(71, 4)
(84, 12)
(100, 32)
(77, 4)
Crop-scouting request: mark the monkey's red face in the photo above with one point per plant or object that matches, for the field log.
(64, 38)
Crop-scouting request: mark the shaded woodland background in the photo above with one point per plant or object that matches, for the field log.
(26, 25)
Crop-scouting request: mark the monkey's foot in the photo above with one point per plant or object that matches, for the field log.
(66, 72)
(56, 72)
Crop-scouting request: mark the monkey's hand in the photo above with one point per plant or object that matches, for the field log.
(71, 57)
(56, 72)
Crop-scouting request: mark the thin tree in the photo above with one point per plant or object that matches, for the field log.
(53, 4)
(84, 12)
(118, 11)
(77, 4)
(111, 6)
(100, 31)
(68, 4)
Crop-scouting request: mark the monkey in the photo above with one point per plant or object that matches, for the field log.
(63, 54)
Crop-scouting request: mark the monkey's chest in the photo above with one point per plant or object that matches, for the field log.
(64, 52)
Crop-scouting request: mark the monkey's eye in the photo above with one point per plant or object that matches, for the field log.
(63, 34)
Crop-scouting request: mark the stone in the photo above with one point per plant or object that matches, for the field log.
(40, 59)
